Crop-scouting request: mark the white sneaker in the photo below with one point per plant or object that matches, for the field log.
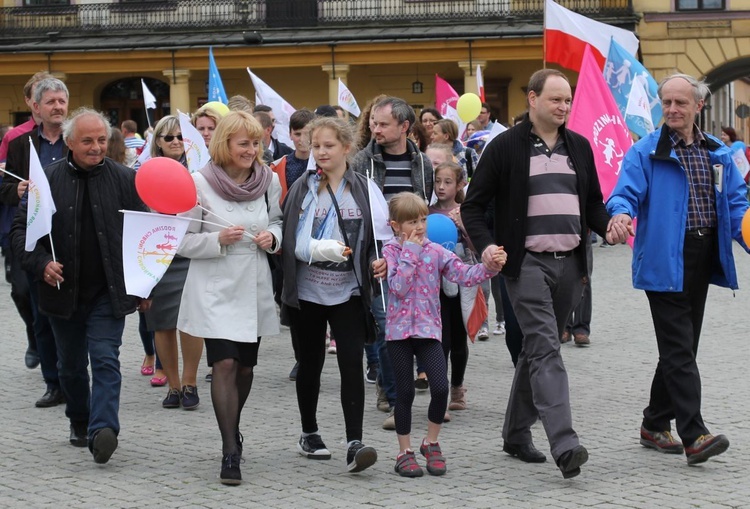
(499, 329)
(483, 334)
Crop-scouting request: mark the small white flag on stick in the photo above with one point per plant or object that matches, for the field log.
(347, 100)
(281, 108)
(149, 101)
(149, 243)
(196, 151)
(41, 206)
(639, 105)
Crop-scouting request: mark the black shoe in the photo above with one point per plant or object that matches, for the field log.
(103, 445)
(190, 399)
(172, 400)
(525, 452)
(79, 434)
(570, 462)
(31, 358)
(372, 373)
(312, 447)
(293, 372)
(52, 397)
(238, 439)
(230, 470)
(359, 457)
(421, 384)
(210, 376)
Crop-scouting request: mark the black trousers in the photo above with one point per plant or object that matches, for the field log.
(678, 318)
(347, 323)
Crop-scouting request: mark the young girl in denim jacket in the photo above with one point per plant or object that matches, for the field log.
(413, 324)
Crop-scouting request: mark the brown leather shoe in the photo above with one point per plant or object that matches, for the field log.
(581, 339)
(565, 337)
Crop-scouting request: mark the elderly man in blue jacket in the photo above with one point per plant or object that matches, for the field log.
(689, 199)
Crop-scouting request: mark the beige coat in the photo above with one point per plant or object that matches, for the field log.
(228, 292)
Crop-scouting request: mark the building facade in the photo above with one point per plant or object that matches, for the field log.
(301, 48)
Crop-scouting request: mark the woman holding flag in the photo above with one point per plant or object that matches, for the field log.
(329, 246)
(228, 297)
(162, 317)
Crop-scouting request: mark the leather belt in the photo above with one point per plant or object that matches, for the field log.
(700, 232)
(557, 255)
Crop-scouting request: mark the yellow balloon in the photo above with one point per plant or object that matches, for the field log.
(218, 107)
(468, 107)
(746, 227)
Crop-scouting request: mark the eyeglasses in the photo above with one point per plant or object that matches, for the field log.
(170, 137)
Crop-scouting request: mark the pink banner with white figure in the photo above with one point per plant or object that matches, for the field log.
(596, 116)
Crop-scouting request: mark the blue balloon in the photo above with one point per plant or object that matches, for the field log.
(442, 230)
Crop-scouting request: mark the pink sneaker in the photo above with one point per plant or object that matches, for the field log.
(332, 347)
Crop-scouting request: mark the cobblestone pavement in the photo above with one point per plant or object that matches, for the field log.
(170, 458)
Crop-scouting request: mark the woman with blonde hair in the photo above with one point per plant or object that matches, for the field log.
(205, 120)
(228, 296)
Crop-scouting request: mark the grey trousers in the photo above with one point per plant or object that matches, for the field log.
(542, 297)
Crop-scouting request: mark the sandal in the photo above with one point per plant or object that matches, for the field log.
(434, 456)
(407, 466)
(159, 381)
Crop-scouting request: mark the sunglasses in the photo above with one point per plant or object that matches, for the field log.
(170, 137)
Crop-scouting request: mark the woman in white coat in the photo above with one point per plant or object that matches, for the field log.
(228, 295)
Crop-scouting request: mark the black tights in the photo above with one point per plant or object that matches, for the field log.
(430, 355)
(230, 389)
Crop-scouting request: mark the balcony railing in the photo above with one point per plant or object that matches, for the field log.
(184, 15)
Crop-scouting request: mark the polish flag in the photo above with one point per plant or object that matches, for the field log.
(480, 83)
(566, 35)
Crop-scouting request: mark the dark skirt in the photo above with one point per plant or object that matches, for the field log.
(220, 349)
(166, 296)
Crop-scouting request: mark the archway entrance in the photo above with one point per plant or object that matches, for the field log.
(123, 100)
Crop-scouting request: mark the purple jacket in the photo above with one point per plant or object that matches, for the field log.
(414, 287)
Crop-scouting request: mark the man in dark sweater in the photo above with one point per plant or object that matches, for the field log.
(543, 182)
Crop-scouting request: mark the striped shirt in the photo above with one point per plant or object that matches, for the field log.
(554, 214)
(397, 174)
(697, 164)
(134, 142)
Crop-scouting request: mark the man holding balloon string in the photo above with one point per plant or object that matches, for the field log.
(542, 180)
(82, 290)
(689, 198)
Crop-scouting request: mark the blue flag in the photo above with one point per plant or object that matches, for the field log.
(619, 72)
(215, 86)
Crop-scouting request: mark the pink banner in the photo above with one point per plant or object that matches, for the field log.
(445, 96)
(595, 115)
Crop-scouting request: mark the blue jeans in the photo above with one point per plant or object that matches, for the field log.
(385, 374)
(97, 335)
(45, 339)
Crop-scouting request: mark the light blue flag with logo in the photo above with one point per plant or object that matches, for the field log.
(620, 71)
(215, 86)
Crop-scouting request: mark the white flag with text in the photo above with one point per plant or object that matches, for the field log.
(149, 243)
(196, 151)
(347, 100)
(40, 204)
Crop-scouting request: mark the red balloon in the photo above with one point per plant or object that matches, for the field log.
(166, 186)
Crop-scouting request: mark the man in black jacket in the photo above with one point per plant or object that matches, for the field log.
(83, 290)
(546, 193)
(50, 106)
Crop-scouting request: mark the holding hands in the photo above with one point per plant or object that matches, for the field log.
(620, 227)
(379, 268)
(494, 258)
